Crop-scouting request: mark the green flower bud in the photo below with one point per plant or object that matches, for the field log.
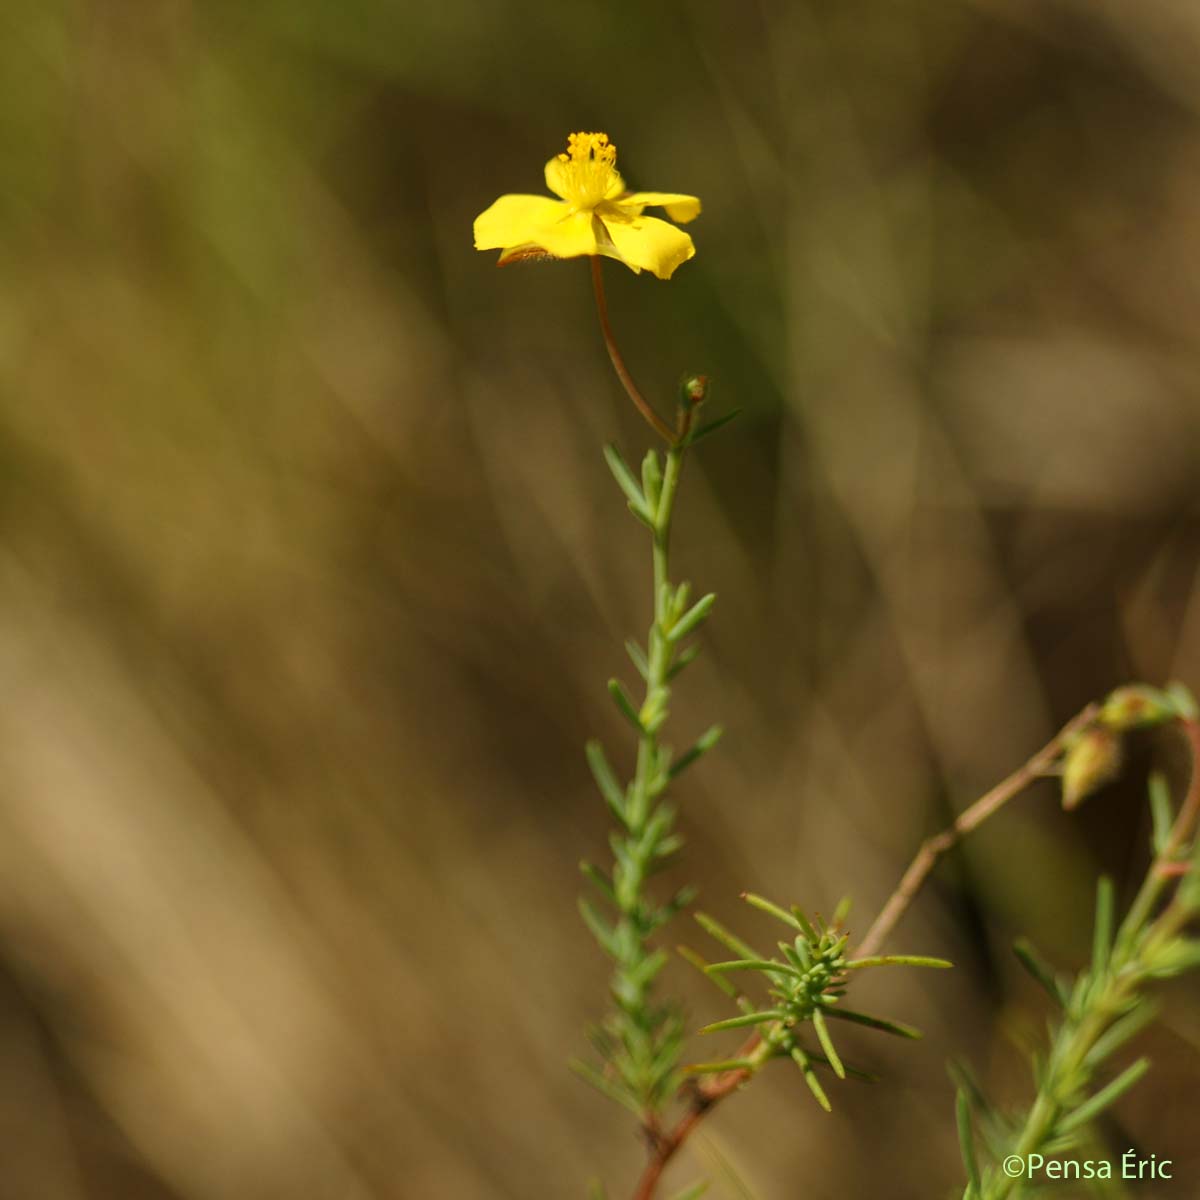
(1092, 760)
(693, 390)
(1136, 707)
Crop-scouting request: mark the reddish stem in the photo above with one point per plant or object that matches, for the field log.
(656, 422)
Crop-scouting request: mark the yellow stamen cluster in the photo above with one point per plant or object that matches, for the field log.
(589, 169)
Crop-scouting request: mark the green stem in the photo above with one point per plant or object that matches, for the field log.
(644, 1036)
(659, 648)
(1066, 1062)
(633, 988)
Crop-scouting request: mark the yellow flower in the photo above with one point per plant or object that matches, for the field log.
(595, 215)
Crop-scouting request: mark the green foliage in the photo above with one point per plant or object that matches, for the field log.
(711, 427)
(639, 1043)
(1099, 1010)
(1106, 1004)
(806, 985)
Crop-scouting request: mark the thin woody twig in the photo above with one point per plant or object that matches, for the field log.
(967, 821)
(706, 1095)
(665, 1147)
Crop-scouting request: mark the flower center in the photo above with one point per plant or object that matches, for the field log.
(588, 169)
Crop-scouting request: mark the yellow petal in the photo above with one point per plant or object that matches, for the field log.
(556, 176)
(679, 207)
(647, 242)
(615, 187)
(514, 220)
(528, 223)
(569, 237)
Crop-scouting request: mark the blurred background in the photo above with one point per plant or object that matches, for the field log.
(311, 572)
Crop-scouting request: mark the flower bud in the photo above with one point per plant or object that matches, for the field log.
(1092, 760)
(1136, 706)
(693, 390)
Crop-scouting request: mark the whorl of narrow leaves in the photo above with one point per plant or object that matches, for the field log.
(805, 987)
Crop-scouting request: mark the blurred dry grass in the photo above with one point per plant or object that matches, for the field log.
(311, 573)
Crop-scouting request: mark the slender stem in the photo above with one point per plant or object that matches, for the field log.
(631, 982)
(659, 657)
(663, 1150)
(640, 402)
(967, 821)
(647, 826)
(662, 1145)
(1071, 1054)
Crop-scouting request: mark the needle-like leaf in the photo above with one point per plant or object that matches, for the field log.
(747, 1019)
(847, 1014)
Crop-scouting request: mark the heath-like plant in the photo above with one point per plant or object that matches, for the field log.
(639, 1044)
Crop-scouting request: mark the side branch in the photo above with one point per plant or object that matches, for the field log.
(707, 1094)
(970, 819)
